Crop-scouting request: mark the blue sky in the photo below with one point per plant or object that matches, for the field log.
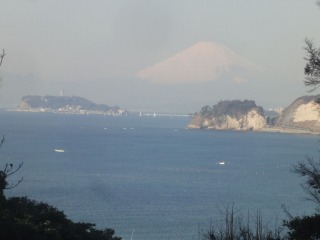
(95, 48)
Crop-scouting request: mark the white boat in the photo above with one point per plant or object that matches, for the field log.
(222, 163)
(59, 150)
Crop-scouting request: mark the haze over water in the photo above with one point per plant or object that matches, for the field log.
(117, 52)
(149, 175)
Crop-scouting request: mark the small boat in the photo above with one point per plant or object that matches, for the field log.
(59, 150)
(222, 163)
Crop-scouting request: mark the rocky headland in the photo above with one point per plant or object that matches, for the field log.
(68, 105)
(302, 116)
(234, 114)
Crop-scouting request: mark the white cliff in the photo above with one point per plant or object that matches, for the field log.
(302, 114)
(235, 115)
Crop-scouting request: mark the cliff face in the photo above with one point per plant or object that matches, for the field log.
(302, 116)
(303, 113)
(66, 104)
(235, 114)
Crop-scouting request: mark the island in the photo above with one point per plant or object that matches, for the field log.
(68, 105)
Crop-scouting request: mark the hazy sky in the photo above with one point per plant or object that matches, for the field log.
(95, 48)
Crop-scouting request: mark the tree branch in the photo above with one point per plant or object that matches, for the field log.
(312, 68)
(10, 170)
(2, 56)
(16, 184)
(310, 170)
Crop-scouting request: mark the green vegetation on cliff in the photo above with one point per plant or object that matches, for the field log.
(230, 114)
(232, 108)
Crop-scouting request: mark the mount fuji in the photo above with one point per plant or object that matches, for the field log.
(202, 62)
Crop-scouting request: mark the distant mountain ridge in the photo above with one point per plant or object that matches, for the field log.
(66, 104)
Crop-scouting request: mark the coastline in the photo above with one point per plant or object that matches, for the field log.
(265, 129)
(289, 130)
(120, 112)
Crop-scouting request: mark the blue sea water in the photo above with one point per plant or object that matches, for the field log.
(151, 178)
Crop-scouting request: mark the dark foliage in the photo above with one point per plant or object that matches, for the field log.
(312, 68)
(22, 218)
(234, 108)
(307, 227)
(311, 171)
(206, 111)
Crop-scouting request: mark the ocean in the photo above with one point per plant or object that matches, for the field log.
(150, 177)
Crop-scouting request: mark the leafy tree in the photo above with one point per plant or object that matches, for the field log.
(311, 170)
(308, 227)
(312, 68)
(22, 218)
(206, 111)
(9, 169)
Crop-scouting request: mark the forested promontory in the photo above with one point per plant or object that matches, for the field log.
(230, 114)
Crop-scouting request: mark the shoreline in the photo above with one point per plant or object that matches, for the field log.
(75, 112)
(266, 129)
(289, 130)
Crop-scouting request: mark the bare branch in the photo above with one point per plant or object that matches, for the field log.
(2, 56)
(10, 170)
(16, 184)
(313, 194)
(312, 68)
(2, 140)
(311, 170)
(286, 211)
